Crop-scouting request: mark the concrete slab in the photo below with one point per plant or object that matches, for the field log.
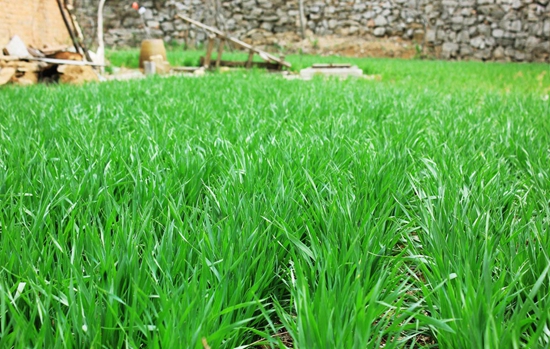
(341, 72)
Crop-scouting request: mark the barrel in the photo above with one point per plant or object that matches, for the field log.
(151, 47)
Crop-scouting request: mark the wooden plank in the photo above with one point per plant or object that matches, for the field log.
(62, 61)
(220, 52)
(250, 57)
(331, 65)
(209, 51)
(238, 42)
(242, 64)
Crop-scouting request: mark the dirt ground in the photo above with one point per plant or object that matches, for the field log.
(334, 45)
(356, 47)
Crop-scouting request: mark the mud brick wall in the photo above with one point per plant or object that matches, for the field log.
(501, 30)
(37, 22)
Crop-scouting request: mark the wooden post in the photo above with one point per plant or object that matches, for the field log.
(302, 19)
(220, 51)
(249, 61)
(209, 49)
(101, 44)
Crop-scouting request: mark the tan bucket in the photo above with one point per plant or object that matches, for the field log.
(151, 47)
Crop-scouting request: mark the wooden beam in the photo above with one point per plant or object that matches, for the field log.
(220, 52)
(68, 26)
(62, 61)
(209, 49)
(218, 33)
(243, 64)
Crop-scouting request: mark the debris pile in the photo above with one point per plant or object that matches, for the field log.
(22, 65)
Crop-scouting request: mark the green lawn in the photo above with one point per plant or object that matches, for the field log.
(446, 76)
(244, 209)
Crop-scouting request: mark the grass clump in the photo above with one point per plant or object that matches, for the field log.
(244, 208)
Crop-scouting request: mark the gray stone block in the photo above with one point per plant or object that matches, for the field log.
(380, 21)
(380, 31)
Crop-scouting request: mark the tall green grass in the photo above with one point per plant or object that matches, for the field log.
(244, 209)
(416, 75)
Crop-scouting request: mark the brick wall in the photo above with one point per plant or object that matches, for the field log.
(37, 22)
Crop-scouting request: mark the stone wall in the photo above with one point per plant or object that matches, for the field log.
(508, 30)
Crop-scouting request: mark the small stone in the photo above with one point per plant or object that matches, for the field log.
(478, 42)
(267, 26)
(531, 43)
(449, 49)
(153, 24)
(498, 53)
(380, 21)
(430, 36)
(498, 33)
(380, 31)
(457, 20)
(520, 56)
(466, 50)
(167, 26)
(546, 28)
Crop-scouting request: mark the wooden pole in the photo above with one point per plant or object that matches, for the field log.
(220, 51)
(209, 49)
(69, 29)
(249, 61)
(302, 19)
(100, 42)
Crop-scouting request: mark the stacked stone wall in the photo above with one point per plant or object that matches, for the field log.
(507, 30)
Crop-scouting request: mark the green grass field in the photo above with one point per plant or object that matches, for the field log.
(246, 211)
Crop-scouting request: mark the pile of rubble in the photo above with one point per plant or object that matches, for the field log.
(22, 65)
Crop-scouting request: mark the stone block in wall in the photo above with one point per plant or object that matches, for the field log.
(531, 43)
(268, 26)
(486, 10)
(369, 14)
(519, 44)
(249, 5)
(380, 21)
(266, 4)
(484, 54)
(457, 20)
(167, 27)
(517, 4)
(546, 28)
(468, 21)
(498, 53)
(430, 36)
(519, 56)
(478, 42)
(380, 31)
(466, 50)
(484, 29)
(513, 26)
(463, 36)
(498, 33)
(449, 50)
(153, 24)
